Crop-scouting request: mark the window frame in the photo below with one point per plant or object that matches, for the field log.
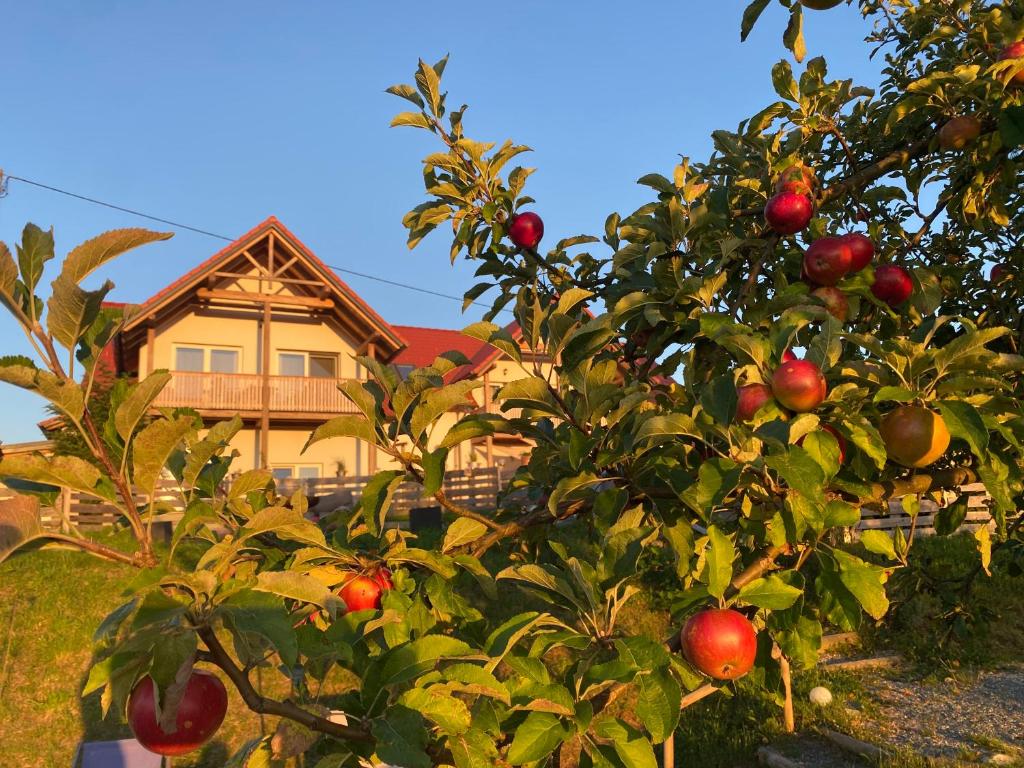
(207, 350)
(306, 356)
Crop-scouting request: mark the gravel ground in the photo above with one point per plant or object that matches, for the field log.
(944, 719)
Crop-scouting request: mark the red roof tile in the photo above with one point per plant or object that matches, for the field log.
(425, 344)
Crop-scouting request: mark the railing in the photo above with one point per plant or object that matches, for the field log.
(244, 392)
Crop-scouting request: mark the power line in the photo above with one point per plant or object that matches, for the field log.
(199, 231)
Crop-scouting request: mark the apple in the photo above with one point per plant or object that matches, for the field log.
(720, 642)
(750, 398)
(959, 132)
(862, 250)
(839, 439)
(835, 302)
(999, 273)
(892, 284)
(828, 260)
(820, 5)
(799, 179)
(914, 436)
(788, 212)
(789, 355)
(799, 385)
(525, 230)
(383, 578)
(361, 593)
(1014, 51)
(200, 713)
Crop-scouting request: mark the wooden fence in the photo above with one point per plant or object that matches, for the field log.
(894, 516)
(475, 489)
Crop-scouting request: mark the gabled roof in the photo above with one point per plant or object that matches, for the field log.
(425, 344)
(194, 277)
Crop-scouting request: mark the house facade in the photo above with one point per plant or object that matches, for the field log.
(265, 329)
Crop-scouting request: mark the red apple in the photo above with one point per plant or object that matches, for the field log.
(892, 284)
(360, 593)
(200, 713)
(788, 212)
(383, 578)
(862, 250)
(799, 179)
(999, 273)
(1014, 51)
(828, 260)
(839, 439)
(820, 5)
(720, 642)
(835, 302)
(799, 385)
(526, 230)
(959, 132)
(750, 398)
(789, 355)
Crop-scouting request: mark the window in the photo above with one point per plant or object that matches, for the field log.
(405, 370)
(323, 366)
(291, 364)
(300, 471)
(281, 473)
(313, 364)
(206, 359)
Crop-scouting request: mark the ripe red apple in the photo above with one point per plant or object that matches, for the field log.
(799, 179)
(788, 212)
(720, 642)
(789, 355)
(799, 385)
(839, 439)
(959, 132)
(526, 230)
(200, 713)
(1014, 51)
(383, 578)
(750, 398)
(862, 250)
(892, 284)
(360, 593)
(999, 273)
(835, 302)
(914, 436)
(828, 260)
(820, 5)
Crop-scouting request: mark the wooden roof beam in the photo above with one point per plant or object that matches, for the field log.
(209, 294)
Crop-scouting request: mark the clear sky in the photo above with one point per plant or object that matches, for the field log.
(218, 114)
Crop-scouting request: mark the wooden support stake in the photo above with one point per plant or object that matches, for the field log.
(265, 394)
(668, 752)
(787, 684)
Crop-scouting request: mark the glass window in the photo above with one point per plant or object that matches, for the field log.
(405, 370)
(188, 359)
(309, 473)
(323, 366)
(224, 361)
(281, 473)
(291, 364)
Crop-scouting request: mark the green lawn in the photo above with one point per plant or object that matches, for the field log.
(51, 601)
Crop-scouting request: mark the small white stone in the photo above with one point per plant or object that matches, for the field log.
(821, 696)
(1000, 759)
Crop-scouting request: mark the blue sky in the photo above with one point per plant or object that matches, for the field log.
(220, 114)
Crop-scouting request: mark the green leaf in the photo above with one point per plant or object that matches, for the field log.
(35, 250)
(376, 499)
(497, 337)
(406, 92)
(216, 440)
(137, 402)
(153, 447)
(71, 310)
(408, 661)
(864, 582)
(658, 701)
(263, 614)
(630, 745)
(750, 16)
(67, 471)
(462, 531)
(720, 556)
(878, 542)
(531, 392)
(411, 119)
(785, 84)
(401, 738)
(536, 738)
(448, 712)
(433, 470)
(669, 425)
(793, 37)
(84, 259)
(964, 422)
(771, 592)
(799, 470)
(346, 425)
(473, 749)
(285, 523)
(298, 586)
(437, 402)
(1011, 126)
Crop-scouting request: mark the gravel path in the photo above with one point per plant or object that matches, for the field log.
(942, 719)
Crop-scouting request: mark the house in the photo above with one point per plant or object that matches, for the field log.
(265, 329)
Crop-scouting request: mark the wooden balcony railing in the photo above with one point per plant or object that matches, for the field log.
(243, 392)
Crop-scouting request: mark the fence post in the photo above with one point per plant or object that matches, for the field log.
(65, 510)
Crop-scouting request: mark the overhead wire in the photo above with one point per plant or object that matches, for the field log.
(207, 233)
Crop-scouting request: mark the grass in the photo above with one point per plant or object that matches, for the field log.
(51, 602)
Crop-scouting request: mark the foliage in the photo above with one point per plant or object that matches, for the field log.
(629, 395)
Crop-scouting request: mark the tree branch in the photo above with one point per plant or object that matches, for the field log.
(260, 704)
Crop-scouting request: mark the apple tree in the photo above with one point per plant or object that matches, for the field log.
(803, 325)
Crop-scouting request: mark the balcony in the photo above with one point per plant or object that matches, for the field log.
(243, 393)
